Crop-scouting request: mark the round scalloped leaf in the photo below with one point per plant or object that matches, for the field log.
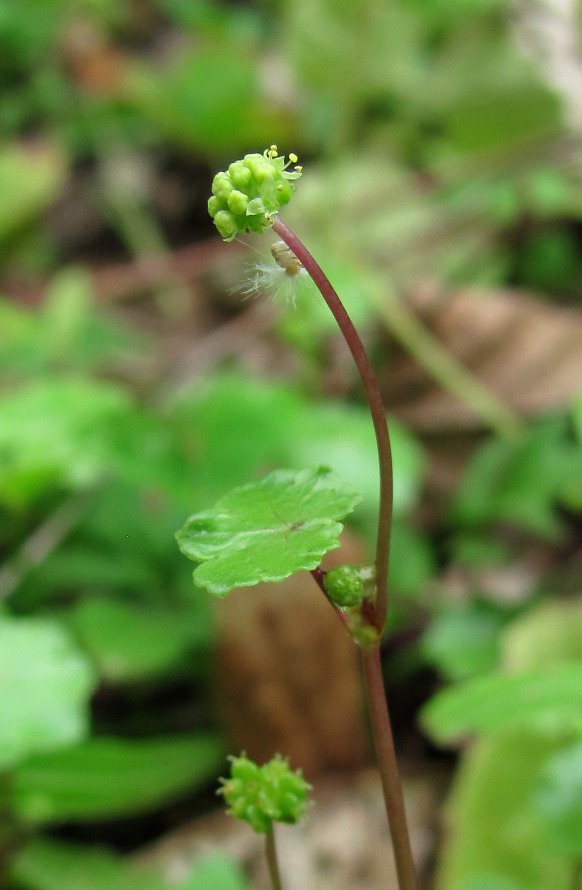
(267, 530)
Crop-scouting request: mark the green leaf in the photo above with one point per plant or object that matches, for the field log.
(521, 481)
(209, 99)
(45, 685)
(492, 830)
(107, 777)
(463, 641)
(57, 431)
(131, 641)
(577, 418)
(414, 567)
(215, 872)
(488, 881)
(30, 180)
(549, 633)
(54, 865)
(68, 332)
(550, 695)
(234, 426)
(343, 437)
(267, 530)
(558, 801)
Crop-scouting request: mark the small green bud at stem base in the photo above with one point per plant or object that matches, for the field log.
(348, 585)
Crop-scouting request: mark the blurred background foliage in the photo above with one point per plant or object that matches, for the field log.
(442, 175)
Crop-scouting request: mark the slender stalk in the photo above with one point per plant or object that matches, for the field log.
(576, 883)
(378, 708)
(388, 766)
(271, 854)
(377, 411)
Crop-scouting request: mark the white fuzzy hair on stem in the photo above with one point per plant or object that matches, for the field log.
(282, 279)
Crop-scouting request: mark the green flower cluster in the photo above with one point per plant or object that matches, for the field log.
(261, 795)
(247, 195)
(348, 585)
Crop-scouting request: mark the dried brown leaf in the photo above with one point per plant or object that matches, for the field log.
(527, 352)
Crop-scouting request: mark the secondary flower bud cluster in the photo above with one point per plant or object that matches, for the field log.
(247, 195)
(348, 585)
(261, 795)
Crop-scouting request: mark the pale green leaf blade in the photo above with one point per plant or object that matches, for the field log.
(47, 864)
(131, 641)
(30, 179)
(494, 840)
(45, 686)
(489, 704)
(548, 632)
(215, 872)
(558, 801)
(109, 777)
(267, 530)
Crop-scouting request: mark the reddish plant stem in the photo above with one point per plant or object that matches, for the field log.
(377, 705)
(377, 411)
(388, 766)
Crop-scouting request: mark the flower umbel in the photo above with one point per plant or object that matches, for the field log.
(261, 795)
(247, 195)
(348, 585)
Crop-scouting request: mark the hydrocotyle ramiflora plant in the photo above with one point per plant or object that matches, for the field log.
(287, 521)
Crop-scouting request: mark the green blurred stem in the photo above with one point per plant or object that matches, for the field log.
(271, 854)
(43, 541)
(377, 411)
(388, 766)
(577, 875)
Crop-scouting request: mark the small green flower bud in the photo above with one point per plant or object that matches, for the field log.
(347, 585)
(214, 205)
(241, 177)
(222, 185)
(266, 794)
(237, 202)
(244, 769)
(226, 224)
(260, 167)
(252, 191)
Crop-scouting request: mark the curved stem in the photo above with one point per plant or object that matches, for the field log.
(377, 411)
(386, 756)
(271, 854)
(378, 708)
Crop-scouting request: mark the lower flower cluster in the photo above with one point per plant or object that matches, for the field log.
(261, 795)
